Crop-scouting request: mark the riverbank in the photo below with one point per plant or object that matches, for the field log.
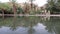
(25, 15)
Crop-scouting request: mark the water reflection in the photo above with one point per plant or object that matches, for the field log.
(30, 25)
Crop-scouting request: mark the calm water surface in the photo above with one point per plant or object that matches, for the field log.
(30, 25)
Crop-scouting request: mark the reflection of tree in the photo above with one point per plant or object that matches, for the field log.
(53, 25)
(31, 30)
(32, 23)
(1, 21)
(6, 21)
(13, 26)
(19, 21)
(23, 21)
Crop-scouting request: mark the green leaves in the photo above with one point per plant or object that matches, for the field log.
(53, 6)
(3, 5)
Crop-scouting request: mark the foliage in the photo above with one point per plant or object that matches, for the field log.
(4, 5)
(19, 10)
(53, 5)
(12, 7)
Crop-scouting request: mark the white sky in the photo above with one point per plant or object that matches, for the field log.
(38, 2)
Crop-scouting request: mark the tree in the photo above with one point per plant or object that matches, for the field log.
(14, 6)
(52, 6)
(31, 3)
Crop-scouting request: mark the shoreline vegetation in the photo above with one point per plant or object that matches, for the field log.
(29, 9)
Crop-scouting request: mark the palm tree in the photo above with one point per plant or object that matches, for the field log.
(14, 6)
(2, 9)
(31, 1)
(50, 4)
(53, 6)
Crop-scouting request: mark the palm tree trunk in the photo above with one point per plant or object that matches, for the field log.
(14, 9)
(31, 4)
(3, 13)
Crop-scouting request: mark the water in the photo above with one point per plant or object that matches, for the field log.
(30, 25)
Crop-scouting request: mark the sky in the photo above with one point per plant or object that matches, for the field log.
(38, 2)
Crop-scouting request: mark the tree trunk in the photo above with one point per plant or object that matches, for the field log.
(14, 9)
(3, 13)
(31, 4)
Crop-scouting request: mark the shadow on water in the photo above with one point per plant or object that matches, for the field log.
(30, 25)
